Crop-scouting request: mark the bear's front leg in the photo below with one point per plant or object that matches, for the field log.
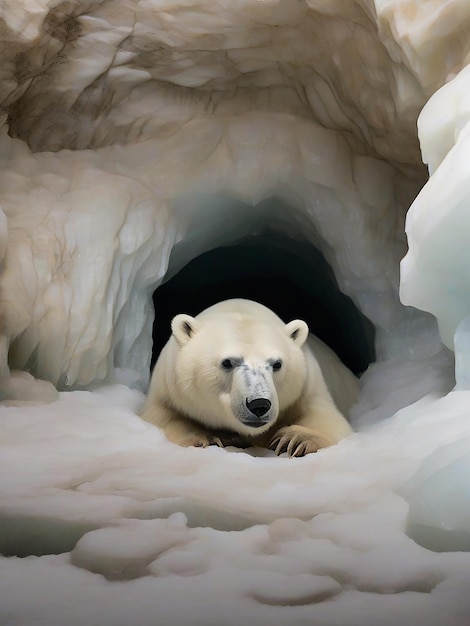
(177, 428)
(186, 432)
(298, 441)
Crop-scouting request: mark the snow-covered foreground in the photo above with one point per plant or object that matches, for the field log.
(117, 526)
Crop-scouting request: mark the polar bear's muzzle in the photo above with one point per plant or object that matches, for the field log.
(256, 405)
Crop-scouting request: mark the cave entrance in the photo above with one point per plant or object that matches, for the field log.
(289, 276)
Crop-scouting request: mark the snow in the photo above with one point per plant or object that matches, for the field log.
(114, 524)
(140, 134)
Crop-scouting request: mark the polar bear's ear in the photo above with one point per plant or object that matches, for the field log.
(298, 331)
(183, 328)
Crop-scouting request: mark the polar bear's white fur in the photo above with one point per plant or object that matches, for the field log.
(237, 375)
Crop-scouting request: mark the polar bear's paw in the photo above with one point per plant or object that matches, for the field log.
(198, 440)
(220, 439)
(298, 441)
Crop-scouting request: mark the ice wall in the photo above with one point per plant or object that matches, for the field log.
(138, 124)
(92, 233)
(436, 269)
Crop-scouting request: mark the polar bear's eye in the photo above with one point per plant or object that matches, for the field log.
(277, 365)
(227, 364)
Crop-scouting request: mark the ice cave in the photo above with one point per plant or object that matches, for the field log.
(161, 155)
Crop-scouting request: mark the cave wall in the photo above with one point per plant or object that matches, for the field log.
(134, 130)
(86, 252)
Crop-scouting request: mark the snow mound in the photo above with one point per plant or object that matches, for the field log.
(217, 535)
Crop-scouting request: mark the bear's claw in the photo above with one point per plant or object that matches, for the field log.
(210, 441)
(203, 441)
(222, 440)
(297, 441)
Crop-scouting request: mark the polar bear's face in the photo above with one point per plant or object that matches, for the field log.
(238, 372)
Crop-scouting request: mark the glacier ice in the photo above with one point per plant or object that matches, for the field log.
(434, 272)
(462, 354)
(434, 277)
(76, 337)
(137, 135)
(439, 496)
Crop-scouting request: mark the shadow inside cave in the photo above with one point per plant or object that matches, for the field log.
(289, 276)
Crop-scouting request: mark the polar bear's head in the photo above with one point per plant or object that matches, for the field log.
(237, 365)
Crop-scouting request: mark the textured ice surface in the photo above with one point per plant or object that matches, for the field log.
(462, 354)
(434, 277)
(86, 306)
(434, 273)
(164, 117)
(439, 495)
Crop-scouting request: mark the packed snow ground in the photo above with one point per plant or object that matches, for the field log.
(115, 525)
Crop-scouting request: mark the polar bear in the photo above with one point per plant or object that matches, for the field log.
(236, 374)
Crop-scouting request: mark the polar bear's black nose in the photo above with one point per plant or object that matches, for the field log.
(258, 406)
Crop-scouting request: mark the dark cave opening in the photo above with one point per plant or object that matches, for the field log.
(289, 276)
